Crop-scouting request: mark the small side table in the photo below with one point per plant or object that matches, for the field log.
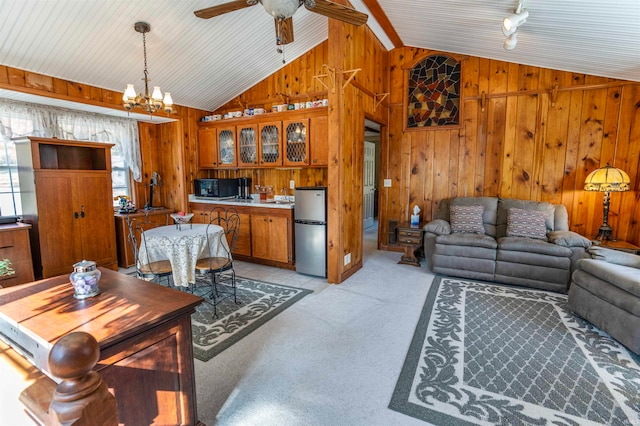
(618, 245)
(409, 237)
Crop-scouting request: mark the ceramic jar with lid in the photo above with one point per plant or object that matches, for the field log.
(84, 278)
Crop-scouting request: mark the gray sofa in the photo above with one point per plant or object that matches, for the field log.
(545, 263)
(605, 290)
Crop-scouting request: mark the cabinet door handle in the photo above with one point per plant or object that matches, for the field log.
(82, 211)
(75, 215)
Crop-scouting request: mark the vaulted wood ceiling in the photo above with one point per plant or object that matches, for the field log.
(205, 63)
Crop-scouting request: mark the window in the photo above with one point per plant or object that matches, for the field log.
(20, 119)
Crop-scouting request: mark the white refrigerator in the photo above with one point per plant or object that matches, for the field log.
(310, 230)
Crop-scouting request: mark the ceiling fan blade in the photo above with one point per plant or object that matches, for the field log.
(210, 12)
(337, 11)
(284, 30)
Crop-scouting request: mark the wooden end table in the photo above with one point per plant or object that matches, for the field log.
(618, 245)
(410, 237)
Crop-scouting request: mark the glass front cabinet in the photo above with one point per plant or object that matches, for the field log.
(270, 144)
(296, 142)
(247, 145)
(227, 147)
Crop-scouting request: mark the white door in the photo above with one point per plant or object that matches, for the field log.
(369, 183)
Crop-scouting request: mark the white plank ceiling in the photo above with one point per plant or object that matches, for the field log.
(205, 63)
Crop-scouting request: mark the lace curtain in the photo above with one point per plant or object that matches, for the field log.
(25, 119)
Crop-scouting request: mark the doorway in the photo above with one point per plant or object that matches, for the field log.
(370, 173)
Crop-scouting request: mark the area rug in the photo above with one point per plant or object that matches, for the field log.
(258, 302)
(489, 354)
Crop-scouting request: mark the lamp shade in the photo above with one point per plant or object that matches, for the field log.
(607, 179)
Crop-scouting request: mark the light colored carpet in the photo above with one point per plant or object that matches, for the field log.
(333, 358)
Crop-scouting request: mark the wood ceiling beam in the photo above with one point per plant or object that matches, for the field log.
(381, 17)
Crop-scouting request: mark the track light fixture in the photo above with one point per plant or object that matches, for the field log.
(511, 41)
(511, 23)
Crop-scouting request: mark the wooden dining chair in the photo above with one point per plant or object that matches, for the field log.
(218, 267)
(148, 270)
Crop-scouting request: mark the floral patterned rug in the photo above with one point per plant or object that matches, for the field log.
(490, 354)
(258, 302)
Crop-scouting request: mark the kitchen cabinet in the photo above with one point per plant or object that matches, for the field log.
(267, 237)
(15, 246)
(217, 147)
(270, 144)
(67, 198)
(248, 145)
(207, 148)
(200, 216)
(296, 142)
(318, 143)
(293, 138)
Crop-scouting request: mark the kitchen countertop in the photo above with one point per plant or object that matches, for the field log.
(278, 204)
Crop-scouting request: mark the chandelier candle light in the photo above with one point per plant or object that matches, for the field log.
(607, 179)
(150, 103)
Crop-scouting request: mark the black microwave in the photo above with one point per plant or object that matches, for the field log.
(216, 187)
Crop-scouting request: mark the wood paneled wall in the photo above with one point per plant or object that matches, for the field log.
(348, 48)
(536, 135)
(169, 149)
(293, 83)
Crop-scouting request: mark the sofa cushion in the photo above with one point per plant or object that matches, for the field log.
(526, 223)
(615, 256)
(466, 219)
(568, 239)
(471, 240)
(504, 204)
(529, 245)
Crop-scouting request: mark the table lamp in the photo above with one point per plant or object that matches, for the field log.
(607, 179)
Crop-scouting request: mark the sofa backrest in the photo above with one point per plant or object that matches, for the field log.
(494, 217)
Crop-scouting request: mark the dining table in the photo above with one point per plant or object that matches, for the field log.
(182, 247)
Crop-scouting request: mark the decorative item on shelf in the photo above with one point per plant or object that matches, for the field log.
(182, 218)
(149, 102)
(607, 179)
(125, 204)
(85, 278)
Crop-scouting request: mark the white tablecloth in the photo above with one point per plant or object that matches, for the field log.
(182, 247)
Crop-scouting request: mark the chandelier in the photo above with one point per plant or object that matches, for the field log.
(150, 103)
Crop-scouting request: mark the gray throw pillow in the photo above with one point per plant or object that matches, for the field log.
(526, 223)
(466, 219)
(568, 239)
(438, 227)
(615, 256)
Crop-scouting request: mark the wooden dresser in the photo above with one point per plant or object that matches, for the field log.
(15, 246)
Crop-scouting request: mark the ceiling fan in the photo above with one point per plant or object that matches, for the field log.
(283, 10)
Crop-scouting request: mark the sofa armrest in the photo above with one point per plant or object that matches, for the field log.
(568, 239)
(615, 256)
(438, 227)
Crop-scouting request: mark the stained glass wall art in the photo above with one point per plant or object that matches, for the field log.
(434, 92)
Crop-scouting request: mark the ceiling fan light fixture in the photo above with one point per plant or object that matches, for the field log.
(281, 9)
